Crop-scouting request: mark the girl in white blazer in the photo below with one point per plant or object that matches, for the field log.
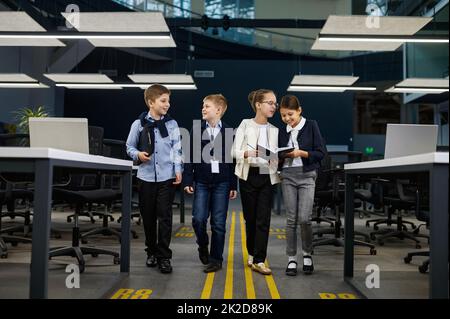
(257, 174)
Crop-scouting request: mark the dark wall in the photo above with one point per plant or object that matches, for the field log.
(115, 110)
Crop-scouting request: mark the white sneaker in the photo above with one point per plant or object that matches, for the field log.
(250, 260)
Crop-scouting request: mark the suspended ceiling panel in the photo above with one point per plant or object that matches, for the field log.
(11, 21)
(366, 25)
(137, 22)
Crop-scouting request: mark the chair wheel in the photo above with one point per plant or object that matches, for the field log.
(373, 237)
(94, 255)
(416, 231)
(14, 244)
(320, 235)
(407, 260)
(84, 241)
(4, 256)
(375, 227)
(418, 246)
(413, 226)
(423, 269)
(116, 260)
(92, 220)
(373, 251)
(367, 224)
(69, 219)
(135, 236)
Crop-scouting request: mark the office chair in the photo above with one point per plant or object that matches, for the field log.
(400, 201)
(335, 197)
(81, 198)
(14, 240)
(117, 149)
(422, 214)
(90, 181)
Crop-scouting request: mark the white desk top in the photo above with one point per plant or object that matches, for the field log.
(427, 158)
(52, 153)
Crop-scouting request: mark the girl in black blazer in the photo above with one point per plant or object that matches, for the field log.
(298, 179)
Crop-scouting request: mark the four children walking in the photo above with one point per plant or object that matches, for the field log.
(211, 175)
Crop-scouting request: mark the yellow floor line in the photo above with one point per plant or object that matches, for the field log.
(271, 285)
(228, 293)
(250, 288)
(206, 293)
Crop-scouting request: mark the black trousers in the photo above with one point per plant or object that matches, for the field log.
(257, 197)
(155, 203)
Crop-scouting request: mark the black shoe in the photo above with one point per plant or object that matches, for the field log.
(203, 255)
(212, 267)
(291, 271)
(151, 261)
(164, 266)
(306, 268)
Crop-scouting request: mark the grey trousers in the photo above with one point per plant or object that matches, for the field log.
(298, 194)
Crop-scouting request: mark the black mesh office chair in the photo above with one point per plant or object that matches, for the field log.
(405, 198)
(335, 197)
(422, 214)
(111, 182)
(117, 149)
(6, 234)
(79, 199)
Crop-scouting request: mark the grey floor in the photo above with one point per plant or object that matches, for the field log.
(101, 277)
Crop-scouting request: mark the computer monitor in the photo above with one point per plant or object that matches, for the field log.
(410, 139)
(70, 134)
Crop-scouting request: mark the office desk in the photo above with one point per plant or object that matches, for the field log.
(436, 164)
(41, 162)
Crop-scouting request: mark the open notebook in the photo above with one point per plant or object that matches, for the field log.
(270, 152)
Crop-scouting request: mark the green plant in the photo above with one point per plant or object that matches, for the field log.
(25, 113)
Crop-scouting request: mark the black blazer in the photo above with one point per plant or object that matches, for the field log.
(201, 172)
(310, 140)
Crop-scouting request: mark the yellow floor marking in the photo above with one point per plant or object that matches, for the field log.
(250, 288)
(228, 293)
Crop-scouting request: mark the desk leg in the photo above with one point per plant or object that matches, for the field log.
(41, 229)
(349, 227)
(439, 232)
(126, 221)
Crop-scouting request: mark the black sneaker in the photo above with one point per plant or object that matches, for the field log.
(164, 266)
(151, 261)
(212, 267)
(291, 271)
(203, 255)
(308, 269)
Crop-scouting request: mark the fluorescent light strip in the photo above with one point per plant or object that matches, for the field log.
(304, 88)
(31, 85)
(87, 37)
(396, 39)
(415, 90)
(89, 86)
(123, 85)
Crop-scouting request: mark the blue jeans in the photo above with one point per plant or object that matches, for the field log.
(211, 198)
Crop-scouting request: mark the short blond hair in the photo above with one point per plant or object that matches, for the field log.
(155, 91)
(219, 100)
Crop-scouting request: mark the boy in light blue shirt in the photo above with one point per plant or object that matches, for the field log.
(154, 144)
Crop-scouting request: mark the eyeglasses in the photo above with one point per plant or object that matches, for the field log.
(271, 103)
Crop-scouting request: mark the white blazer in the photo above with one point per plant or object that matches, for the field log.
(247, 134)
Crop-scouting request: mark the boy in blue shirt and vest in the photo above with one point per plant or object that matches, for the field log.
(209, 175)
(154, 143)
